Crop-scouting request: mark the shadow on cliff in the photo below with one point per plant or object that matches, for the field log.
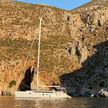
(26, 82)
(74, 81)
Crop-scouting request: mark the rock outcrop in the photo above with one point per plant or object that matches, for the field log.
(73, 44)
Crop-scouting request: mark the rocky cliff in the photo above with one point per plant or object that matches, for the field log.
(73, 45)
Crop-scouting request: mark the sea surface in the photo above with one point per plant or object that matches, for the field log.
(75, 102)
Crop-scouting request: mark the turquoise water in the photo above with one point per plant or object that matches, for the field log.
(75, 102)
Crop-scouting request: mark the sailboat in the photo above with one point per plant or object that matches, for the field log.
(59, 92)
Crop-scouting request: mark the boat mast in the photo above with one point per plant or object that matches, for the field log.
(38, 58)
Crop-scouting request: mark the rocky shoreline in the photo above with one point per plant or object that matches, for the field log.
(74, 49)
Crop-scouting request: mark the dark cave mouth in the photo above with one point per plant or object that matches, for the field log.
(26, 82)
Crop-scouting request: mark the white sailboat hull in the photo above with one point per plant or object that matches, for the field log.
(37, 94)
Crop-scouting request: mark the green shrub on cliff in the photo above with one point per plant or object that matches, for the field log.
(12, 83)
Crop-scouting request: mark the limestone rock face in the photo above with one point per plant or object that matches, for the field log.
(73, 45)
(4, 1)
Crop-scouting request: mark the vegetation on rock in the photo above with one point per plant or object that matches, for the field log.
(73, 44)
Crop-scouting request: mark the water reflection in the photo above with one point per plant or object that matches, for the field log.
(67, 103)
(75, 102)
(7, 102)
(55, 103)
(41, 103)
(98, 103)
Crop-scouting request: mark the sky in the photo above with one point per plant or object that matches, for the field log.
(64, 4)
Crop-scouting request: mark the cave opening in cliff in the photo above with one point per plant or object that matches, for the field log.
(26, 82)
